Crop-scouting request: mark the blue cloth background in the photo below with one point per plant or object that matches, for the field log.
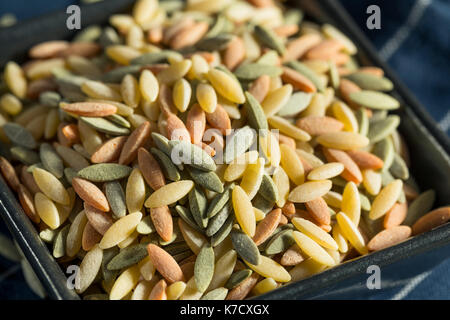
(414, 40)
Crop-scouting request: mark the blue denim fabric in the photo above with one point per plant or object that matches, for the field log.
(421, 60)
(419, 30)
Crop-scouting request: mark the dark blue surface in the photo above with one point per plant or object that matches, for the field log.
(401, 280)
(419, 33)
(422, 58)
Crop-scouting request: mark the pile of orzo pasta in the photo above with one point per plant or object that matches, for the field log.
(207, 150)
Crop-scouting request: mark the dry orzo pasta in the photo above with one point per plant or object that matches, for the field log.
(207, 150)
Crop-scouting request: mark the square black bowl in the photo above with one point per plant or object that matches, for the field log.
(428, 146)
